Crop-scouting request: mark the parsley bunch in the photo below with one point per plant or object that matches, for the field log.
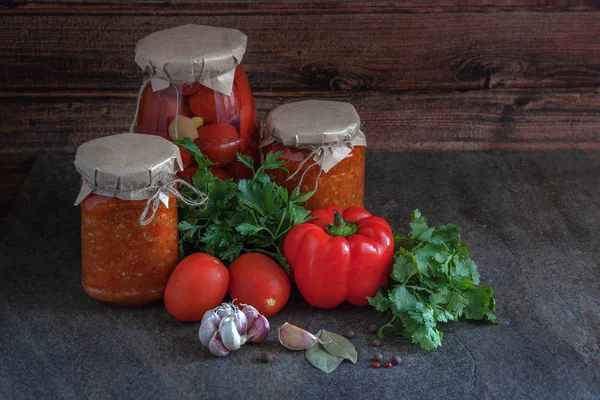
(433, 280)
(250, 215)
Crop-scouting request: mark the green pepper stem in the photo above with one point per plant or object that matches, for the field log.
(341, 227)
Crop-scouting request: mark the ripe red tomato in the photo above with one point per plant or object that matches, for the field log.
(191, 89)
(198, 284)
(257, 280)
(203, 104)
(186, 157)
(215, 107)
(191, 171)
(248, 117)
(218, 142)
(219, 173)
(188, 172)
(237, 169)
(157, 110)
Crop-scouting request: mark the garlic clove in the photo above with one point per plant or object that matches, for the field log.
(251, 313)
(183, 127)
(229, 334)
(198, 122)
(241, 322)
(216, 346)
(294, 338)
(259, 330)
(208, 327)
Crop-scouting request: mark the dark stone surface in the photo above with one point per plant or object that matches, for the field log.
(533, 223)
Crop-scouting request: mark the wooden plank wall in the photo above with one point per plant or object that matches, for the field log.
(445, 75)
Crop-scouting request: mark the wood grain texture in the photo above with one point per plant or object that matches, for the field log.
(393, 52)
(283, 7)
(446, 121)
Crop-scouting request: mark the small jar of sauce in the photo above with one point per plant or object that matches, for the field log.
(129, 237)
(324, 149)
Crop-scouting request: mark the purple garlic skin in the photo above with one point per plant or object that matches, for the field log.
(217, 347)
(250, 312)
(294, 338)
(259, 330)
(258, 325)
(241, 321)
(208, 327)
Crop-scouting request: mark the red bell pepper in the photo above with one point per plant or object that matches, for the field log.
(339, 255)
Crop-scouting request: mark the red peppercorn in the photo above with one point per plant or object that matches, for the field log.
(388, 364)
(376, 365)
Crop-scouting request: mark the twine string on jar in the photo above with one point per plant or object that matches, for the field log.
(322, 148)
(316, 150)
(169, 188)
(139, 100)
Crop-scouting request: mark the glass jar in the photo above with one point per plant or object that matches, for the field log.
(209, 101)
(324, 150)
(122, 262)
(129, 237)
(343, 185)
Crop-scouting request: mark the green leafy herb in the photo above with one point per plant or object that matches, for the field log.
(251, 215)
(321, 359)
(433, 280)
(338, 345)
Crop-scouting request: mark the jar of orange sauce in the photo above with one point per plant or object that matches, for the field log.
(129, 237)
(324, 150)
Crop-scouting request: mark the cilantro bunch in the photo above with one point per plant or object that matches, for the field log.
(250, 215)
(433, 280)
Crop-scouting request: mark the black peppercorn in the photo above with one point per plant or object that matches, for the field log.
(396, 360)
(373, 328)
(266, 357)
(349, 334)
(377, 356)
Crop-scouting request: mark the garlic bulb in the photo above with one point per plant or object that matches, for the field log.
(226, 328)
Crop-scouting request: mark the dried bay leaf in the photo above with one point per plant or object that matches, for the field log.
(337, 345)
(319, 358)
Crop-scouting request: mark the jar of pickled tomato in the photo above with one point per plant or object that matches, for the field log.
(195, 87)
(324, 150)
(129, 237)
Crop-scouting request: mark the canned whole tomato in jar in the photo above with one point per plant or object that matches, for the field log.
(195, 87)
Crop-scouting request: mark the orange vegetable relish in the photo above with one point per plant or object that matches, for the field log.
(124, 263)
(343, 185)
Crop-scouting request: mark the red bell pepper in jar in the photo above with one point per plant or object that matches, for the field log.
(339, 255)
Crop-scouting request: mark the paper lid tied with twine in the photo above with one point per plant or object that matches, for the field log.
(192, 53)
(330, 129)
(132, 166)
